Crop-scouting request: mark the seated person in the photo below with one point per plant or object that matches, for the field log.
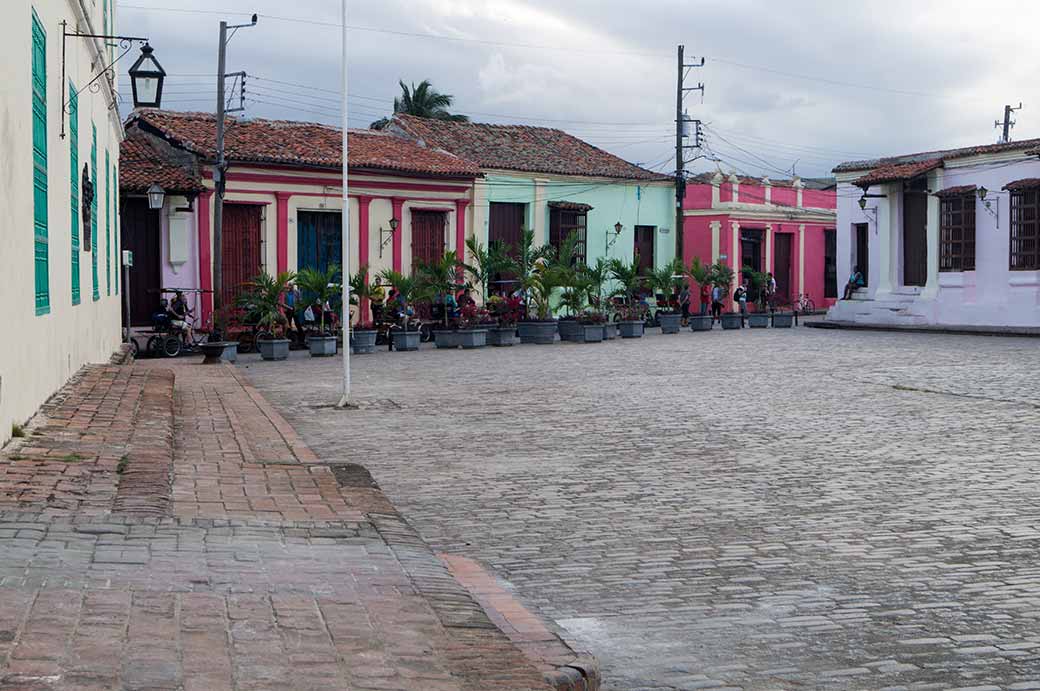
(855, 281)
(180, 315)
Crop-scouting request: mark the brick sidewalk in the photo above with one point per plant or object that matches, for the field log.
(231, 559)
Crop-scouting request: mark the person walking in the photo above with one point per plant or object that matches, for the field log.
(705, 298)
(741, 297)
(716, 304)
(684, 303)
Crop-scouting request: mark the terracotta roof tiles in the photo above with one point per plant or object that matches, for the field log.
(520, 148)
(1027, 146)
(144, 160)
(897, 171)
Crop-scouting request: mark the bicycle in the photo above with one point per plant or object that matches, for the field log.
(805, 304)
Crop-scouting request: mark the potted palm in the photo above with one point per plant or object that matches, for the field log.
(701, 276)
(506, 312)
(757, 282)
(472, 333)
(321, 287)
(597, 277)
(590, 323)
(664, 282)
(363, 334)
(437, 282)
(406, 336)
(632, 312)
(722, 276)
(538, 279)
(261, 299)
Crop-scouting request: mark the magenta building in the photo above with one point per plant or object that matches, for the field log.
(786, 227)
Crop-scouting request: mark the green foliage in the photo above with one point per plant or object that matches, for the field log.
(406, 286)
(721, 276)
(261, 299)
(538, 277)
(628, 278)
(485, 263)
(320, 284)
(699, 272)
(422, 101)
(361, 289)
(757, 282)
(597, 275)
(437, 280)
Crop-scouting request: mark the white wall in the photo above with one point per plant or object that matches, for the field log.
(992, 294)
(40, 352)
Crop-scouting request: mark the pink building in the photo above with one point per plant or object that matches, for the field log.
(786, 227)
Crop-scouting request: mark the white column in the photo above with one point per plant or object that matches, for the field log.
(931, 286)
(769, 247)
(734, 182)
(801, 258)
(716, 232)
(884, 231)
(733, 258)
(768, 184)
(716, 180)
(799, 187)
(479, 218)
(539, 211)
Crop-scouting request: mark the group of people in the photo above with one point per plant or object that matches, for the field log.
(305, 318)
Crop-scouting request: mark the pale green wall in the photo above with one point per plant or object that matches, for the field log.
(632, 204)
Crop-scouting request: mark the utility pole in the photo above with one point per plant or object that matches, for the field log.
(680, 133)
(219, 181)
(1007, 124)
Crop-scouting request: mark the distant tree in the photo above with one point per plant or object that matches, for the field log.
(422, 101)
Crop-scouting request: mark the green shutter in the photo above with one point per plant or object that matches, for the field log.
(108, 227)
(74, 191)
(93, 211)
(39, 133)
(115, 225)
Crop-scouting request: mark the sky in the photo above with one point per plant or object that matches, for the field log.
(790, 86)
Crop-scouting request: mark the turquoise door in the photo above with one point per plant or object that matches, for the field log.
(319, 240)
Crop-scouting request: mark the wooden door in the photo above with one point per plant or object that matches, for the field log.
(644, 248)
(241, 258)
(782, 265)
(863, 251)
(319, 240)
(140, 233)
(427, 237)
(915, 234)
(830, 263)
(505, 225)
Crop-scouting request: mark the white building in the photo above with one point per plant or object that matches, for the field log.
(60, 285)
(942, 237)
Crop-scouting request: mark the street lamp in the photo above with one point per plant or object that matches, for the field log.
(156, 196)
(146, 79)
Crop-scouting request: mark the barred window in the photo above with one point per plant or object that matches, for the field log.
(562, 223)
(1025, 233)
(957, 232)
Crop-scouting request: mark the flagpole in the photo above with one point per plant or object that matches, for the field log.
(345, 270)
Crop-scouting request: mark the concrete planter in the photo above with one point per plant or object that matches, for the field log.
(219, 351)
(700, 323)
(670, 323)
(446, 339)
(591, 333)
(540, 332)
(609, 331)
(783, 320)
(406, 340)
(501, 336)
(758, 320)
(730, 320)
(363, 341)
(273, 348)
(322, 346)
(630, 329)
(472, 338)
(570, 330)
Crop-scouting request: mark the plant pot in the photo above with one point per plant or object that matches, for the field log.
(570, 330)
(273, 348)
(472, 338)
(783, 320)
(501, 335)
(700, 323)
(670, 323)
(363, 341)
(406, 340)
(609, 331)
(591, 333)
(630, 329)
(219, 351)
(322, 346)
(537, 332)
(446, 339)
(758, 320)
(730, 320)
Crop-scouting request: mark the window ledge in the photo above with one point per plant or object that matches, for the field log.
(956, 279)
(1024, 278)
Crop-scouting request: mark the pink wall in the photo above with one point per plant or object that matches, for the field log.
(697, 197)
(752, 194)
(785, 196)
(819, 199)
(725, 192)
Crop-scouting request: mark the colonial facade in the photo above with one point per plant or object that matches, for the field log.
(943, 237)
(780, 226)
(283, 201)
(553, 183)
(60, 262)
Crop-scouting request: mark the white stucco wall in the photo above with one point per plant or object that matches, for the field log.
(992, 294)
(40, 352)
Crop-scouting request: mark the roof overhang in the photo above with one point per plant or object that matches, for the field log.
(898, 172)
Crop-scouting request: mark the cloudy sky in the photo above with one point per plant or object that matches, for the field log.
(795, 83)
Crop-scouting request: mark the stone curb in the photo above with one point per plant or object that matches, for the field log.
(965, 330)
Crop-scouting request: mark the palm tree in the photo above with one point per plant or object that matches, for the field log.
(485, 263)
(422, 101)
(436, 280)
(321, 284)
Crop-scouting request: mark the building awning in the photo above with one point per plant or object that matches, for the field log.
(570, 206)
(897, 172)
(956, 191)
(1023, 184)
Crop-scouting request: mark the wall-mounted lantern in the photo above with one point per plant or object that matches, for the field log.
(385, 236)
(156, 197)
(146, 79)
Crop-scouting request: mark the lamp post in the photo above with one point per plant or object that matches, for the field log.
(146, 79)
(345, 400)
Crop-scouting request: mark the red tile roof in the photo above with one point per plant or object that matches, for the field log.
(570, 206)
(144, 160)
(1023, 184)
(300, 143)
(1027, 146)
(956, 191)
(898, 171)
(520, 148)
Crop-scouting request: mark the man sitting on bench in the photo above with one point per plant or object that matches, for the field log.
(855, 281)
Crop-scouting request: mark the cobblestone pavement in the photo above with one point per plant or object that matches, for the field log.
(173, 532)
(759, 509)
